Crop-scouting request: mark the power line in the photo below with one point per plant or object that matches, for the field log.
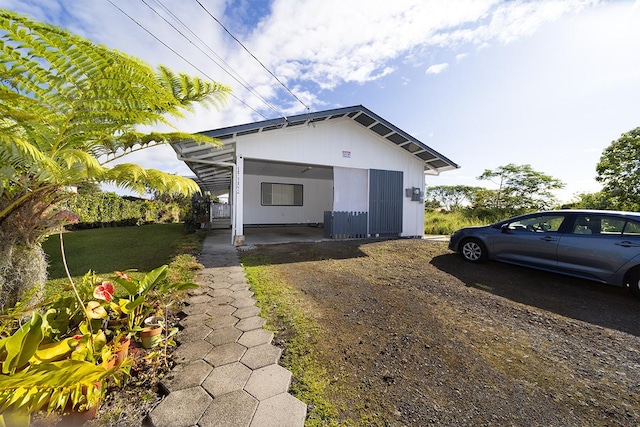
(243, 83)
(182, 57)
(252, 55)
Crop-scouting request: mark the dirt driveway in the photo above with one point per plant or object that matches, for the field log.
(413, 335)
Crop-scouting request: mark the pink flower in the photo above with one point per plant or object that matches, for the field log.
(122, 275)
(104, 291)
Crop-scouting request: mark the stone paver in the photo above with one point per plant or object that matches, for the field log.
(224, 336)
(227, 371)
(233, 409)
(261, 356)
(268, 382)
(225, 354)
(282, 410)
(226, 379)
(181, 408)
(193, 333)
(255, 337)
(191, 351)
(221, 322)
(187, 376)
(251, 323)
(245, 312)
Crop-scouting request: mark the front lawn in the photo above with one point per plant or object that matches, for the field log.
(104, 250)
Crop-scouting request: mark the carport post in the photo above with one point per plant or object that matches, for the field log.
(237, 238)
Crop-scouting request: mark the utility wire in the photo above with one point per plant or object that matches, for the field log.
(237, 75)
(252, 55)
(182, 57)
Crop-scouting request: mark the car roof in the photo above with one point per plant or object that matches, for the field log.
(594, 212)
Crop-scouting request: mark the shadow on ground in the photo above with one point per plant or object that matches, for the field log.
(592, 302)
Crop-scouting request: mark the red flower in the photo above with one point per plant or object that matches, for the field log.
(104, 291)
(122, 275)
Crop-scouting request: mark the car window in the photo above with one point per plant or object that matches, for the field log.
(587, 224)
(632, 228)
(612, 225)
(537, 224)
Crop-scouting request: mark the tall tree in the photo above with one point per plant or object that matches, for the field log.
(520, 188)
(451, 197)
(619, 171)
(68, 107)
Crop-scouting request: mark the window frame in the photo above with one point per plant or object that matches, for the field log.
(296, 201)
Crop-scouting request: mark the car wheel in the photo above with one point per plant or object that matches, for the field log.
(473, 250)
(634, 282)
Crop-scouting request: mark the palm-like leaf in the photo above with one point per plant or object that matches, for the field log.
(68, 106)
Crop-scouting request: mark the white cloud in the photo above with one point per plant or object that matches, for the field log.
(437, 68)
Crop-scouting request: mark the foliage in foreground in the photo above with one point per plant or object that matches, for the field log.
(61, 359)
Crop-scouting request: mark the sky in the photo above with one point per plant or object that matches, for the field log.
(549, 83)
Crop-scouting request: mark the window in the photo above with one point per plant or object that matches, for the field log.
(281, 194)
(632, 229)
(537, 224)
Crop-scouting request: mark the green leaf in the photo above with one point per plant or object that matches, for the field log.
(22, 345)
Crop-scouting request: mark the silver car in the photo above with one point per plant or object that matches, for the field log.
(596, 245)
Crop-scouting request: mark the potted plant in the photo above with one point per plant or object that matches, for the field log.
(151, 332)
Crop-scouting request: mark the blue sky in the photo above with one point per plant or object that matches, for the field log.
(486, 83)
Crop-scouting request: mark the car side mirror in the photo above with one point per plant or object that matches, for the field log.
(505, 228)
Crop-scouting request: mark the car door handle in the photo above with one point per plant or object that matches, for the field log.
(627, 244)
(549, 239)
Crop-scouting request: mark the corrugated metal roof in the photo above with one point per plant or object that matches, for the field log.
(212, 165)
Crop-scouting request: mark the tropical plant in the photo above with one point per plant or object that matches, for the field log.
(60, 361)
(68, 107)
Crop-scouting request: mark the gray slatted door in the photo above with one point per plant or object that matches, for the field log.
(385, 202)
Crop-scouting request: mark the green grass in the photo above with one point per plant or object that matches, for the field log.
(446, 222)
(104, 250)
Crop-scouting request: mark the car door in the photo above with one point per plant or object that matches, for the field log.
(599, 245)
(530, 240)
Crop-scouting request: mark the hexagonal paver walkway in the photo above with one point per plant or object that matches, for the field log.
(227, 372)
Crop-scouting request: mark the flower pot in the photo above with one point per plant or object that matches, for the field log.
(151, 336)
(122, 350)
(74, 417)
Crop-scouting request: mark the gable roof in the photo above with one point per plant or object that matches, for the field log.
(212, 165)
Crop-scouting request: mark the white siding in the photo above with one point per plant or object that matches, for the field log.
(350, 189)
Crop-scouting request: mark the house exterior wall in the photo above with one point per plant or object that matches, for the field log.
(317, 198)
(339, 143)
(350, 189)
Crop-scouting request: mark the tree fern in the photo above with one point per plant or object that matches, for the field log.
(67, 108)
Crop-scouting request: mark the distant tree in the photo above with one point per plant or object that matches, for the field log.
(520, 188)
(450, 197)
(598, 200)
(619, 171)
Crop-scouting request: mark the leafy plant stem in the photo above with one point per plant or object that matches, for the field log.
(77, 294)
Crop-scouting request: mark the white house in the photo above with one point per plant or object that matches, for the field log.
(346, 168)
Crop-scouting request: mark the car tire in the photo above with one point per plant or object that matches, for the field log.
(473, 250)
(634, 282)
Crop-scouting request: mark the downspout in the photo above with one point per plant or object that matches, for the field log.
(233, 187)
